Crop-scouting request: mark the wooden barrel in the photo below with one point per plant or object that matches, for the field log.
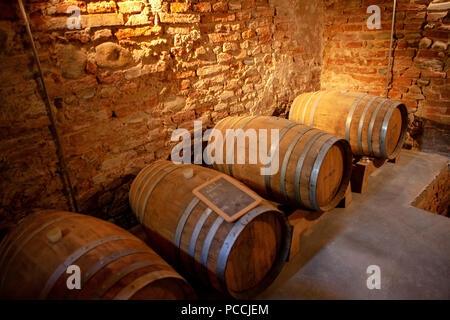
(374, 126)
(114, 264)
(314, 167)
(239, 258)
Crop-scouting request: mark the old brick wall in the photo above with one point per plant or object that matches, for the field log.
(357, 58)
(120, 85)
(436, 196)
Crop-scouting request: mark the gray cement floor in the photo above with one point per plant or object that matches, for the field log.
(411, 246)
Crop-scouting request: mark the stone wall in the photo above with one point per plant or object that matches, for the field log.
(357, 58)
(123, 82)
(436, 196)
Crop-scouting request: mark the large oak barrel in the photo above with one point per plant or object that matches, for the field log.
(314, 167)
(114, 264)
(239, 258)
(374, 126)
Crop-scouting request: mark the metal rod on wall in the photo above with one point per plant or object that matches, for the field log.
(388, 72)
(65, 174)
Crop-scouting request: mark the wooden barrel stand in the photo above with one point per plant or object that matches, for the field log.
(363, 169)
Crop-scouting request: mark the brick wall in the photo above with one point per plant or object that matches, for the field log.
(357, 58)
(436, 196)
(120, 85)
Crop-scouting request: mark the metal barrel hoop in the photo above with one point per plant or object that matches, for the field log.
(143, 281)
(403, 134)
(287, 157)
(209, 137)
(361, 123)
(350, 115)
(222, 166)
(144, 172)
(384, 128)
(116, 277)
(242, 127)
(134, 184)
(155, 183)
(182, 222)
(142, 176)
(74, 257)
(152, 173)
(207, 245)
(297, 103)
(195, 234)
(307, 105)
(27, 239)
(99, 265)
(219, 127)
(283, 132)
(316, 169)
(234, 234)
(299, 167)
(372, 124)
(383, 131)
(11, 237)
(293, 105)
(313, 111)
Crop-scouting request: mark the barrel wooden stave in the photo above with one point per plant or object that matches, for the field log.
(293, 144)
(373, 125)
(267, 248)
(100, 249)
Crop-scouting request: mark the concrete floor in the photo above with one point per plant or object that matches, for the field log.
(411, 246)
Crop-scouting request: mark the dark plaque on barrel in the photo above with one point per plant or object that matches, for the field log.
(227, 197)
